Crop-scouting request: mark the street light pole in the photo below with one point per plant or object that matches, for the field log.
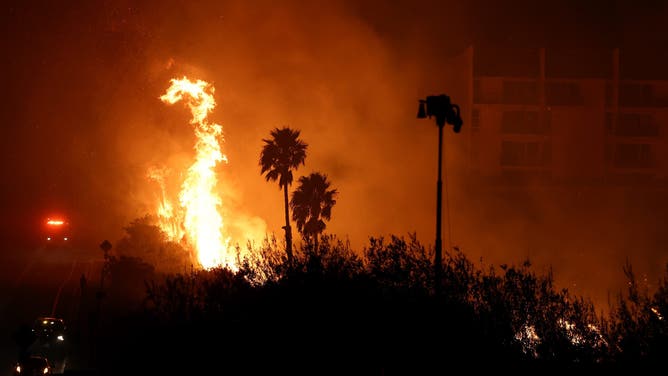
(438, 257)
(440, 107)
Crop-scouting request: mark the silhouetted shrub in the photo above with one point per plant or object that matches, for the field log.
(637, 326)
(399, 265)
(127, 278)
(378, 313)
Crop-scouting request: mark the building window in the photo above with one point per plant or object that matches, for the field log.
(636, 95)
(520, 92)
(525, 154)
(633, 156)
(637, 125)
(563, 94)
(631, 125)
(475, 120)
(522, 176)
(524, 122)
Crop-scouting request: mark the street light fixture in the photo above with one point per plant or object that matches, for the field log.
(440, 107)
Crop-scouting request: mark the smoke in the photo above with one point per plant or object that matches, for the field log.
(85, 81)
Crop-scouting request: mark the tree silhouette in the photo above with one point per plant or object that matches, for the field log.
(280, 155)
(145, 240)
(312, 202)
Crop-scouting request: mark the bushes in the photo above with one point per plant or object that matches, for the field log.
(333, 307)
(638, 328)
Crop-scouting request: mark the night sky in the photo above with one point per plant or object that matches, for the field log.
(82, 121)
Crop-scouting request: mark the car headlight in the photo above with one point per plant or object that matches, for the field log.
(45, 370)
(18, 369)
(61, 338)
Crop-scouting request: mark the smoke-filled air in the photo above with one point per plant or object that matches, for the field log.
(114, 110)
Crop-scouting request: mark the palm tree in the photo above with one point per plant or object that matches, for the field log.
(312, 202)
(280, 155)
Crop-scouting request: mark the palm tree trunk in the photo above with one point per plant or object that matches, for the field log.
(288, 232)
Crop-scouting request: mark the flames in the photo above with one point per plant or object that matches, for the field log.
(197, 218)
(170, 220)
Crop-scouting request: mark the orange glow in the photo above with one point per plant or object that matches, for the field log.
(54, 222)
(202, 223)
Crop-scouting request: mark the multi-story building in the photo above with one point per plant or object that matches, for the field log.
(566, 161)
(565, 116)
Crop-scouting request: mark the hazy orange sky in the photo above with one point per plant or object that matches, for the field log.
(83, 122)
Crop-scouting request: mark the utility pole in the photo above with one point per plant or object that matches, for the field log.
(444, 111)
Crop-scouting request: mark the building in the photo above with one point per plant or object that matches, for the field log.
(560, 116)
(566, 154)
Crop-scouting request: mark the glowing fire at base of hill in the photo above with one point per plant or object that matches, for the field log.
(197, 217)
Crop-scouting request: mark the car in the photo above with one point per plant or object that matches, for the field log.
(33, 365)
(49, 328)
(51, 342)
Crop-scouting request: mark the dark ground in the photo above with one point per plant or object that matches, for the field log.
(41, 281)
